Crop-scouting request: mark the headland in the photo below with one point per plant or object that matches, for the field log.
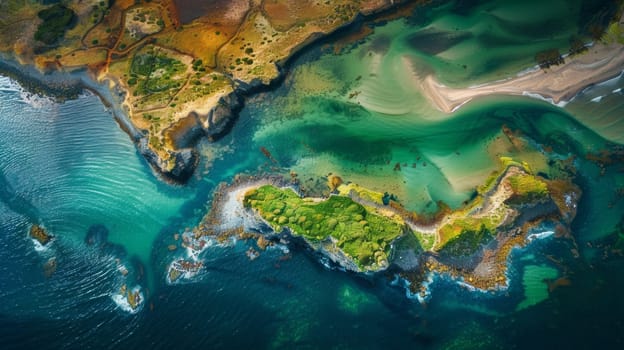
(175, 71)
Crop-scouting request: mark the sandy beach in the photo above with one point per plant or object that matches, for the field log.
(557, 84)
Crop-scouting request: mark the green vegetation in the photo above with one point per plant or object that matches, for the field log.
(489, 183)
(527, 188)
(426, 241)
(548, 58)
(359, 233)
(577, 46)
(154, 72)
(468, 239)
(464, 235)
(506, 162)
(363, 193)
(56, 20)
(613, 34)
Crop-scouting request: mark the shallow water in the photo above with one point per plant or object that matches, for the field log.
(68, 166)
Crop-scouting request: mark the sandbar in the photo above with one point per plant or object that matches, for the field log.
(558, 84)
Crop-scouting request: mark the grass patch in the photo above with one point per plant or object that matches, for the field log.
(613, 34)
(365, 194)
(154, 72)
(464, 236)
(359, 233)
(426, 241)
(527, 188)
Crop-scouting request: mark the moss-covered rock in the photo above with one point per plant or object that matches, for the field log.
(360, 233)
(527, 187)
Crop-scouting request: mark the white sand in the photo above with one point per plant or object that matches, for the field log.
(557, 84)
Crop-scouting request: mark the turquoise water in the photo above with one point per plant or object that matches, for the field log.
(68, 166)
(72, 167)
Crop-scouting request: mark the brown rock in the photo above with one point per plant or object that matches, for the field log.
(174, 275)
(40, 234)
(333, 182)
(134, 299)
(262, 242)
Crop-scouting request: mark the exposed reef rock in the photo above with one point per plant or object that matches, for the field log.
(183, 268)
(40, 234)
(49, 267)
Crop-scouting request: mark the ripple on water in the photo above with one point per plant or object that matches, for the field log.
(75, 167)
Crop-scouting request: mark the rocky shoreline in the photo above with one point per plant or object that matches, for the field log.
(62, 86)
(174, 161)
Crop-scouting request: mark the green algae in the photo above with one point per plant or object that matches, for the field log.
(361, 234)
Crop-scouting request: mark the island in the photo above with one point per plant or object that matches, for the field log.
(358, 237)
(364, 231)
(174, 70)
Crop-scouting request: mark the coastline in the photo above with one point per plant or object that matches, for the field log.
(175, 163)
(557, 85)
(63, 85)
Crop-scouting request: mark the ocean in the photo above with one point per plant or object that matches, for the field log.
(357, 113)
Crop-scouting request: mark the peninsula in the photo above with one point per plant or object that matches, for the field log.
(175, 69)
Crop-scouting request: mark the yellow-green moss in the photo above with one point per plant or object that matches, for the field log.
(528, 187)
(357, 231)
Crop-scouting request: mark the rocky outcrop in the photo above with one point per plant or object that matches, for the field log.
(178, 169)
(40, 234)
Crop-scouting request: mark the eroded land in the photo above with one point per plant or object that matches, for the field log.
(177, 67)
(557, 79)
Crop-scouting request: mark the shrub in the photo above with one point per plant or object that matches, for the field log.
(56, 20)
